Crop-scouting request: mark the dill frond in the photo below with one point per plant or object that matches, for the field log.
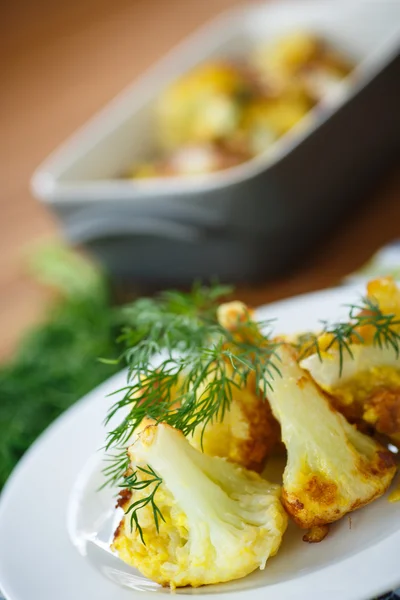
(178, 356)
(365, 313)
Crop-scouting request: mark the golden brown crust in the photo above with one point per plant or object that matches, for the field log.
(317, 490)
(316, 534)
(118, 530)
(123, 498)
(321, 491)
(264, 433)
(382, 409)
(386, 460)
(323, 495)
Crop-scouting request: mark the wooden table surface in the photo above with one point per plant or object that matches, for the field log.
(60, 62)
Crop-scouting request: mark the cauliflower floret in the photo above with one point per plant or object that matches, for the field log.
(332, 468)
(300, 60)
(386, 293)
(248, 432)
(204, 105)
(281, 61)
(383, 293)
(231, 315)
(274, 115)
(367, 388)
(221, 521)
(365, 384)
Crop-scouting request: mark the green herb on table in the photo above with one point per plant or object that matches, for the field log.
(57, 362)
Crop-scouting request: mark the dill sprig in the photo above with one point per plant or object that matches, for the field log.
(136, 482)
(365, 313)
(117, 466)
(182, 368)
(177, 368)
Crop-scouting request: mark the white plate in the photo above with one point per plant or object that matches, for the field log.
(38, 560)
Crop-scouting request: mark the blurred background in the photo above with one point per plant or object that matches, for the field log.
(61, 63)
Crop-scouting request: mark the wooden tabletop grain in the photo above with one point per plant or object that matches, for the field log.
(62, 61)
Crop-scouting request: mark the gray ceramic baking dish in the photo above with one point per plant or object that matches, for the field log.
(255, 220)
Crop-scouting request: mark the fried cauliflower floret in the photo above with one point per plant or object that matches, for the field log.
(267, 119)
(248, 431)
(332, 468)
(221, 521)
(382, 292)
(367, 387)
(202, 106)
(233, 315)
(301, 61)
(385, 293)
(280, 61)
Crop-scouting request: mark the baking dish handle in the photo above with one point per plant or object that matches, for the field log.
(103, 226)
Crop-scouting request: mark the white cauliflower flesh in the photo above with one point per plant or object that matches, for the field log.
(331, 468)
(221, 521)
(363, 358)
